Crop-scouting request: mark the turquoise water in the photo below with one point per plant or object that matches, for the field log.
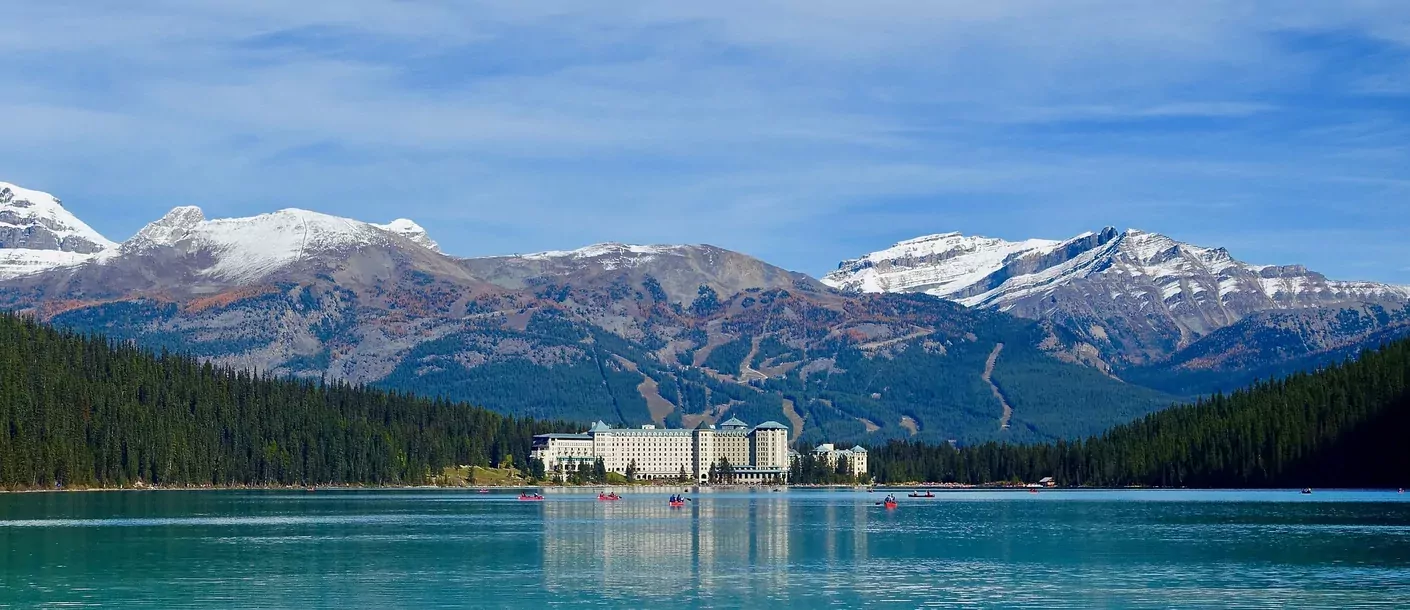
(436, 548)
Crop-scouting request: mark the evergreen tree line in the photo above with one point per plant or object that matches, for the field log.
(584, 473)
(1342, 426)
(808, 469)
(81, 411)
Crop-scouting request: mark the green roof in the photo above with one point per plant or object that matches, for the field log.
(734, 422)
(770, 425)
(600, 426)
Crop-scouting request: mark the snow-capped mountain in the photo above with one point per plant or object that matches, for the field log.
(984, 271)
(940, 264)
(1140, 296)
(38, 234)
(250, 249)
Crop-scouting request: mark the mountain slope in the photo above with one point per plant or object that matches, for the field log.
(1139, 299)
(38, 234)
(679, 270)
(1340, 426)
(115, 415)
(677, 335)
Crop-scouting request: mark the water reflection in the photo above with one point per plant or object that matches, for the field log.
(799, 549)
(642, 545)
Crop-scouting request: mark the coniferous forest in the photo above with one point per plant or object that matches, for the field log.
(81, 411)
(1342, 426)
(78, 411)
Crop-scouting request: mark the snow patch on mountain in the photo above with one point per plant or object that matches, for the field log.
(608, 255)
(988, 272)
(602, 249)
(168, 230)
(412, 231)
(249, 249)
(18, 262)
(940, 264)
(38, 234)
(26, 209)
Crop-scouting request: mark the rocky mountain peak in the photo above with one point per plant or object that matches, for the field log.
(37, 234)
(1162, 293)
(35, 220)
(168, 229)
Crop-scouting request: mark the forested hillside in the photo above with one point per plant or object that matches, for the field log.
(79, 411)
(1341, 426)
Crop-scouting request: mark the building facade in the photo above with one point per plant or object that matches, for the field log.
(757, 454)
(856, 457)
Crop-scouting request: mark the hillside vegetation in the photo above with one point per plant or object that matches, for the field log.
(79, 411)
(1341, 426)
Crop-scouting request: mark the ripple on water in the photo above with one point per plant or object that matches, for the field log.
(796, 549)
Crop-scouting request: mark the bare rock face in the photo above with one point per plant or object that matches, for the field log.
(168, 230)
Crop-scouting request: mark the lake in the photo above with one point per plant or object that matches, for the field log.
(802, 548)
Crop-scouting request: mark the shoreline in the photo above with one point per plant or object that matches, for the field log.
(952, 488)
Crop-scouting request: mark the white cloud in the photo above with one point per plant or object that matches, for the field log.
(556, 120)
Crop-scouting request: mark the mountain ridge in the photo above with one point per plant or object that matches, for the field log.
(577, 334)
(574, 334)
(1138, 298)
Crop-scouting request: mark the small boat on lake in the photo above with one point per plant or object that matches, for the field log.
(531, 497)
(609, 497)
(1307, 490)
(916, 494)
(484, 490)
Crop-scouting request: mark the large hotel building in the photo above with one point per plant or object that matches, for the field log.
(756, 454)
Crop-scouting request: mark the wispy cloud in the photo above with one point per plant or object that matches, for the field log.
(842, 126)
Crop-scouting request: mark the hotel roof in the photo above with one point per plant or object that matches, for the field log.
(770, 425)
(734, 422)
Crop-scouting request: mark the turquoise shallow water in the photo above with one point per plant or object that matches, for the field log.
(434, 548)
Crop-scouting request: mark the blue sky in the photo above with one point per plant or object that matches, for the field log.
(799, 132)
